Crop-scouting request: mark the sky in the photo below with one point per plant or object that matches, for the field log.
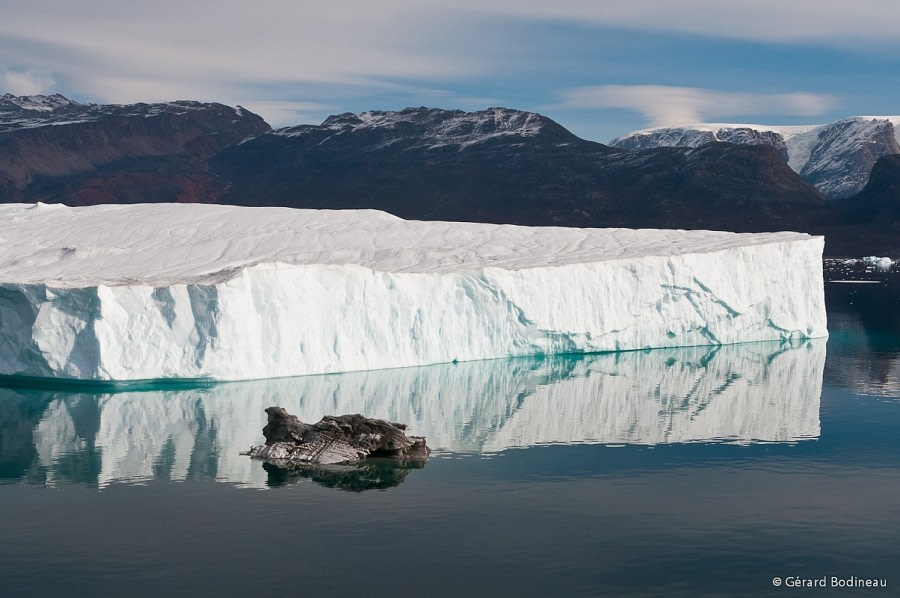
(601, 68)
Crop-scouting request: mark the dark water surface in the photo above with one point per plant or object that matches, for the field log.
(683, 472)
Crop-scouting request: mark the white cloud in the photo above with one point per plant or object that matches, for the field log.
(260, 53)
(25, 83)
(287, 113)
(254, 54)
(663, 105)
(835, 22)
(229, 40)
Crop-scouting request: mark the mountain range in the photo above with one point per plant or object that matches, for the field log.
(836, 158)
(55, 150)
(496, 165)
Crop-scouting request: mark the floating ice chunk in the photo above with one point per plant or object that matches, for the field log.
(882, 264)
(130, 292)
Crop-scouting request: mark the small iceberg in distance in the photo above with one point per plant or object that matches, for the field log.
(882, 264)
(748, 393)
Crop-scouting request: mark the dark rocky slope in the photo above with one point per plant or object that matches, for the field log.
(505, 166)
(869, 223)
(56, 150)
(878, 203)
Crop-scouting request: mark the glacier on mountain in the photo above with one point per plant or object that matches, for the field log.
(836, 157)
(134, 292)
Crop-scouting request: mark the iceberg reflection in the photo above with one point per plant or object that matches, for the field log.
(761, 392)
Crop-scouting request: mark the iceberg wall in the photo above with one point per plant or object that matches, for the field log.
(187, 291)
(757, 392)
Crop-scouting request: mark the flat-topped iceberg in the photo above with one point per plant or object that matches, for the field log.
(131, 292)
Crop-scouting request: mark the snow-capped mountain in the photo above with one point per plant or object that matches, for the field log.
(507, 167)
(433, 128)
(26, 112)
(836, 158)
(10, 104)
(53, 149)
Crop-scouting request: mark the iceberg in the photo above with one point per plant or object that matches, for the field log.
(882, 264)
(186, 291)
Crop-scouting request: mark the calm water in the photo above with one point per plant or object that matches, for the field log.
(674, 472)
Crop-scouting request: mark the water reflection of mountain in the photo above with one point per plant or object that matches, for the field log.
(743, 393)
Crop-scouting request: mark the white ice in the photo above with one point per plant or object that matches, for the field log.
(882, 264)
(129, 292)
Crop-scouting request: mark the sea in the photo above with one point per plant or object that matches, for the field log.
(747, 470)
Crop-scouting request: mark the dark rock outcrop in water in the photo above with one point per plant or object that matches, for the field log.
(334, 439)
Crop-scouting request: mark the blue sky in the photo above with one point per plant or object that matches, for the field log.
(600, 68)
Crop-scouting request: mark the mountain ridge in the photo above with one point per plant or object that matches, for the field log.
(504, 166)
(58, 150)
(835, 157)
(498, 165)
(438, 127)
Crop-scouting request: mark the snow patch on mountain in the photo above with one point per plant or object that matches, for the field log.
(28, 112)
(436, 128)
(39, 103)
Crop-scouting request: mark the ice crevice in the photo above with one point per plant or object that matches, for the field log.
(730, 310)
(244, 293)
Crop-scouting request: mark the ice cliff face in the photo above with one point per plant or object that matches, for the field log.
(195, 291)
(759, 392)
(836, 157)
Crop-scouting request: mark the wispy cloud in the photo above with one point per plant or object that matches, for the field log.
(233, 51)
(232, 40)
(663, 105)
(358, 42)
(835, 22)
(265, 53)
(24, 83)
(288, 113)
